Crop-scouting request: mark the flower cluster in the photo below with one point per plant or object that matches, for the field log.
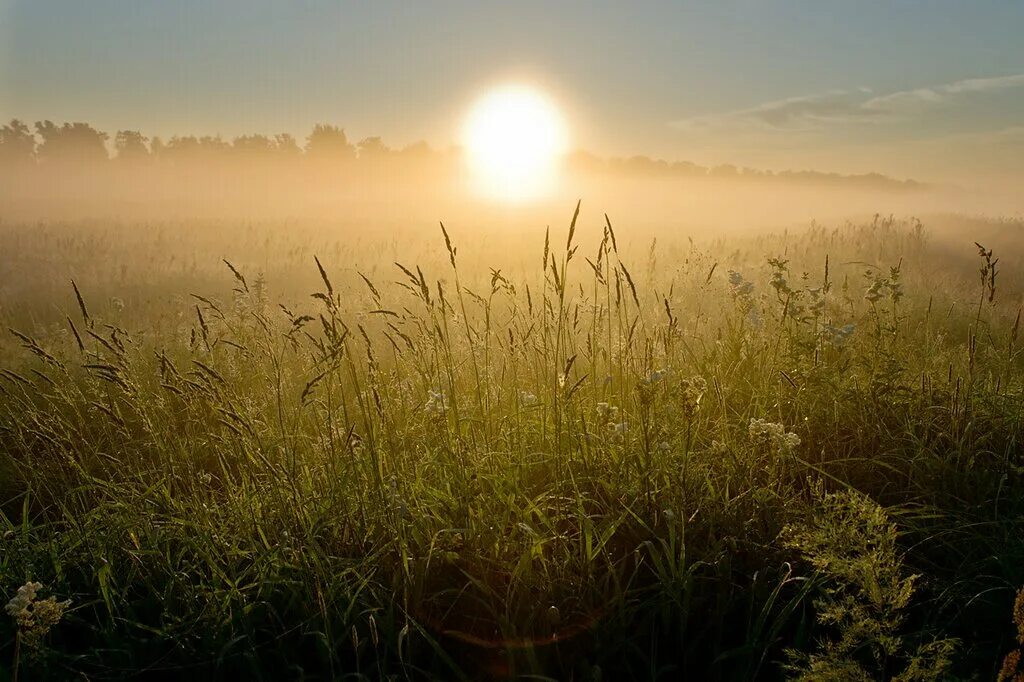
(526, 399)
(34, 616)
(691, 391)
(648, 385)
(884, 286)
(436, 404)
(838, 336)
(741, 288)
(773, 434)
(608, 415)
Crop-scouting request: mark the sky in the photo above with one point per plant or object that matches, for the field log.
(932, 90)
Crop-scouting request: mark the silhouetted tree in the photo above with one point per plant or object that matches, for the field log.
(286, 144)
(688, 168)
(253, 145)
(373, 148)
(71, 143)
(156, 147)
(130, 146)
(191, 149)
(328, 142)
(17, 144)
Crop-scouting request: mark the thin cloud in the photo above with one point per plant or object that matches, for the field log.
(818, 111)
(942, 93)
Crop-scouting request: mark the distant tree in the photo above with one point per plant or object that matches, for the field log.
(328, 142)
(156, 147)
(191, 149)
(688, 168)
(253, 145)
(726, 170)
(286, 144)
(130, 146)
(211, 145)
(17, 144)
(71, 143)
(372, 148)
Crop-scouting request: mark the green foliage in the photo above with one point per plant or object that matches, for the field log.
(852, 545)
(355, 467)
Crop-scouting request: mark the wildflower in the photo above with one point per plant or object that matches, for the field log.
(526, 398)
(657, 375)
(436, 404)
(779, 283)
(874, 292)
(895, 288)
(773, 434)
(117, 303)
(561, 379)
(645, 391)
(741, 288)
(718, 448)
(606, 412)
(691, 392)
(19, 604)
(895, 291)
(843, 333)
(817, 305)
(778, 280)
(619, 428)
(35, 617)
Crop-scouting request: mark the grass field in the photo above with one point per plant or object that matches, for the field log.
(590, 454)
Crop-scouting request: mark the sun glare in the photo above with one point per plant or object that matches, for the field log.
(515, 138)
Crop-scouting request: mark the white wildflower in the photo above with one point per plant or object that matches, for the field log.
(773, 434)
(436, 404)
(34, 616)
(23, 599)
(607, 412)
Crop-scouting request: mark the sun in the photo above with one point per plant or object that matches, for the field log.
(515, 138)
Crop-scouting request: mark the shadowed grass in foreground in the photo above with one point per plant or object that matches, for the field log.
(801, 464)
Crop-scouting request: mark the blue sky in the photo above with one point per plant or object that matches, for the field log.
(900, 87)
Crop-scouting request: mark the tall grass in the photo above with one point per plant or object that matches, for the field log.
(593, 467)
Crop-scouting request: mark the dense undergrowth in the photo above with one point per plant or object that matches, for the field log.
(796, 457)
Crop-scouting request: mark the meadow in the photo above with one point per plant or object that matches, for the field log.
(298, 451)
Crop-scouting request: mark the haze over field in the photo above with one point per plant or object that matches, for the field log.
(927, 92)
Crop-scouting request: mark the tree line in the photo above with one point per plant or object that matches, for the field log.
(80, 144)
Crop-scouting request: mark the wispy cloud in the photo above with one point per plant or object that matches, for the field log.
(861, 106)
